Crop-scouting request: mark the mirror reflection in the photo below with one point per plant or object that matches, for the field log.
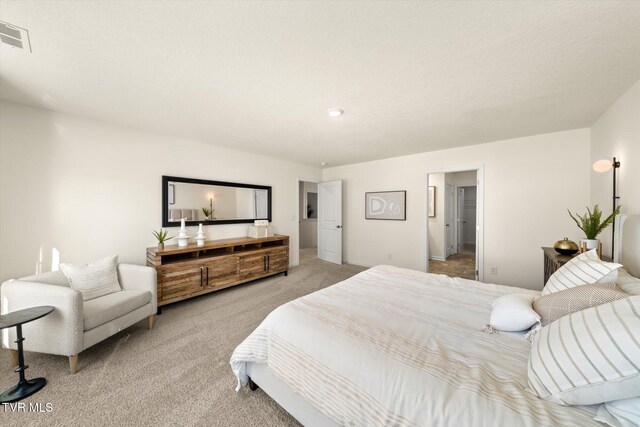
(201, 202)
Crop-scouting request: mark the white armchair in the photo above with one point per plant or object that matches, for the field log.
(75, 324)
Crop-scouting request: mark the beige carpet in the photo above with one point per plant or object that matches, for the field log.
(178, 374)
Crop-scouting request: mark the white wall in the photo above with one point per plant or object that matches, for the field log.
(617, 134)
(529, 184)
(89, 189)
(245, 203)
(461, 178)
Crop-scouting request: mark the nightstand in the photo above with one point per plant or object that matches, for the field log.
(553, 261)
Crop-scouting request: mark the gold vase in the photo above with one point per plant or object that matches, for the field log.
(566, 247)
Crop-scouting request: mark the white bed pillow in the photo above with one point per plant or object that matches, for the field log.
(590, 356)
(514, 312)
(585, 269)
(620, 413)
(95, 279)
(627, 282)
(627, 410)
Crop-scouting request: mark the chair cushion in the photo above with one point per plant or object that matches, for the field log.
(99, 311)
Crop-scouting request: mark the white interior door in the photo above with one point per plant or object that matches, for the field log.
(449, 220)
(330, 221)
(460, 221)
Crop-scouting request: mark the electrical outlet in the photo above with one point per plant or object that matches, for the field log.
(389, 256)
(493, 270)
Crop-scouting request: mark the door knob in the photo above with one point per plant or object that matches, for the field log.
(338, 226)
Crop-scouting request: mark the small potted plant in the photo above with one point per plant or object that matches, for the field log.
(162, 236)
(592, 224)
(207, 212)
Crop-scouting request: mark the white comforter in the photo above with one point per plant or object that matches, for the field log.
(392, 346)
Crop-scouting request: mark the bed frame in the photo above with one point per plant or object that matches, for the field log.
(290, 401)
(261, 376)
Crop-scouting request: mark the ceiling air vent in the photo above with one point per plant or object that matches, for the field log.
(14, 36)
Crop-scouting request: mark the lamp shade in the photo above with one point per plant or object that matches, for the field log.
(603, 165)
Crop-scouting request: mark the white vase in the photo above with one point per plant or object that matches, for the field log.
(589, 243)
(183, 236)
(200, 237)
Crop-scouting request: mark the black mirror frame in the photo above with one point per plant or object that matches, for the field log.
(165, 200)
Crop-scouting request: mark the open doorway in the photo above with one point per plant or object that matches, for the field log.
(454, 223)
(308, 219)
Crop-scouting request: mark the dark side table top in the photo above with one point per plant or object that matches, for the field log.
(24, 316)
(558, 257)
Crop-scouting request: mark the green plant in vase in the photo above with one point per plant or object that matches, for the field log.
(208, 213)
(162, 236)
(592, 224)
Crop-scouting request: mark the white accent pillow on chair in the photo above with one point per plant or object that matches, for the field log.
(95, 279)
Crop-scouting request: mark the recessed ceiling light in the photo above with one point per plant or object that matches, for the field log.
(335, 112)
(323, 163)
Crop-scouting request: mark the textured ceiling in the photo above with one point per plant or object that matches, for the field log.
(260, 76)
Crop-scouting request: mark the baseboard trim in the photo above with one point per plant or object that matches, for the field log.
(359, 264)
(438, 258)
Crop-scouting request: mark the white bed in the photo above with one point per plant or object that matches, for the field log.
(392, 346)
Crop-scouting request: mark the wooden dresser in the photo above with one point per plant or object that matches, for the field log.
(185, 272)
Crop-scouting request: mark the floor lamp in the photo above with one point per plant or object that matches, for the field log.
(606, 165)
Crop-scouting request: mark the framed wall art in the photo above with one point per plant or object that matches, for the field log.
(390, 205)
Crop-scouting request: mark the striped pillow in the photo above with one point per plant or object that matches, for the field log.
(553, 306)
(584, 269)
(589, 357)
(93, 280)
(628, 283)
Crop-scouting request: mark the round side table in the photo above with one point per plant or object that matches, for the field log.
(24, 387)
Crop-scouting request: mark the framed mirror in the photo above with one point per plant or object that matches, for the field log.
(212, 202)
